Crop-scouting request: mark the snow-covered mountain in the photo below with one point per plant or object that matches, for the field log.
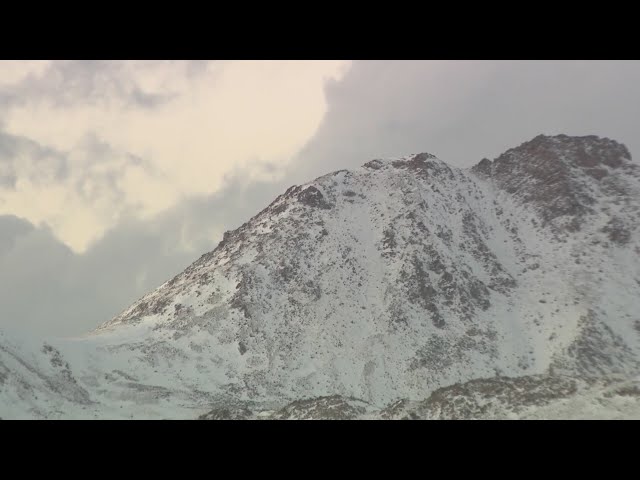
(377, 287)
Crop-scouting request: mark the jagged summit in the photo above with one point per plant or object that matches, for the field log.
(563, 178)
(391, 281)
(425, 262)
(587, 152)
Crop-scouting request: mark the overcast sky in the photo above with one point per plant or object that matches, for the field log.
(114, 176)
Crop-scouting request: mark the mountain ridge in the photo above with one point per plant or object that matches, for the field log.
(392, 281)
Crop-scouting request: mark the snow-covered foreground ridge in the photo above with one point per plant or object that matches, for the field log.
(379, 288)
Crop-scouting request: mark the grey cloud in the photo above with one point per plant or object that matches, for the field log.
(68, 83)
(96, 151)
(46, 289)
(50, 165)
(148, 100)
(463, 111)
(8, 179)
(11, 229)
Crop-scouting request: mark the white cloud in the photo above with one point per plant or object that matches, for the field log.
(13, 71)
(188, 125)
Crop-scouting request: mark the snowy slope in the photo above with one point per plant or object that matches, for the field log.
(498, 398)
(526, 397)
(37, 384)
(384, 283)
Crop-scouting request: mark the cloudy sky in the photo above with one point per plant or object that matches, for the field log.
(114, 176)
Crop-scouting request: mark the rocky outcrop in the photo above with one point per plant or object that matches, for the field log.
(388, 283)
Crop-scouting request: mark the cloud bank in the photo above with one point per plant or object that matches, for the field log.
(96, 141)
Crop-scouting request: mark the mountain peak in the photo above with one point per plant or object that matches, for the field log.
(413, 159)
(580, 151)
(561, 175)
(391, 281)
(586, 152)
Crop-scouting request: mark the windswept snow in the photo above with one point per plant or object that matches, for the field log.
(375, 286)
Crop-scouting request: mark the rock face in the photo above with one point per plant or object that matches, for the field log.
(391, 282)
(563, 177)
(528, 397)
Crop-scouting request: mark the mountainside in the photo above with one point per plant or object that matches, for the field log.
(384, 284)
(498, 398)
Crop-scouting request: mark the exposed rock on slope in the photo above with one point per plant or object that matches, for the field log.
(528, 397)
(390, 282)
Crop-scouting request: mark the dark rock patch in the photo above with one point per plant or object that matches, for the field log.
(334, 407)
(374, 164)
(617, 231)
(227, 413)
(312, 197)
